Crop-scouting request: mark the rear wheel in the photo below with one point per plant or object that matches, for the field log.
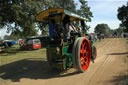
(94, 52)
(81, 54)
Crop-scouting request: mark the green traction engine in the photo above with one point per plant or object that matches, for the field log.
(67, 48)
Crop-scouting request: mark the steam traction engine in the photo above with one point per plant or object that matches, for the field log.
(63, 52)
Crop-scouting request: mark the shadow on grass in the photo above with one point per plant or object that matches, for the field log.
(30, 68)
(126, 53)
(11, 52)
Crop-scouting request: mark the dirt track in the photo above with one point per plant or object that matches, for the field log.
(110, 68)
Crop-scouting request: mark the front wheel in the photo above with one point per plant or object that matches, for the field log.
(81, 54)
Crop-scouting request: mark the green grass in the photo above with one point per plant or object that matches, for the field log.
(14, 54)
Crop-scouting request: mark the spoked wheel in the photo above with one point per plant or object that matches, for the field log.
(81, 54)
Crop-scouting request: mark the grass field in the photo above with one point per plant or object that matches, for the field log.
(14, 54)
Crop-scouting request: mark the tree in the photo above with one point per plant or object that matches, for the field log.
(66, 4)
(123, 16)
(0, 38)
(11, 37)
(102, 28)
(6, 37)
(119, 30)
(19, 15)
(85, 10)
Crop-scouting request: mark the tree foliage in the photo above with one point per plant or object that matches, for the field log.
(123, 16)
(65, 4)
(0, 38)
(119, 30)
(85, 10)
(18, 16)
(102, 28)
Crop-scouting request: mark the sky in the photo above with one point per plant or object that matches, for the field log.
(2, 33)
(104, 11)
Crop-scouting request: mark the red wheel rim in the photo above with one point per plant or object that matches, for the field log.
(84, 54)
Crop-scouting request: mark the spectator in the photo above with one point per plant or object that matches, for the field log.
(21, 42)
(99, 37)
(95, 37)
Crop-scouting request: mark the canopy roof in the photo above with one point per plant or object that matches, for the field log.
(44, 15)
